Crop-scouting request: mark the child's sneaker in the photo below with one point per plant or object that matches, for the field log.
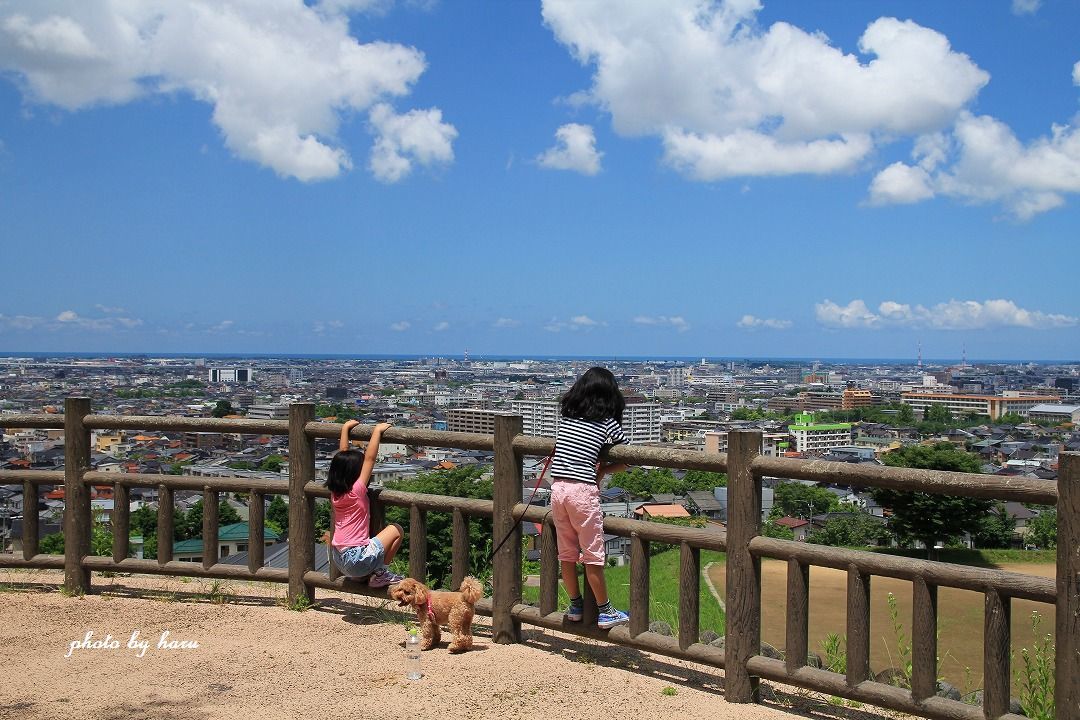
(576, 611)
(611, 619)
(382, 578)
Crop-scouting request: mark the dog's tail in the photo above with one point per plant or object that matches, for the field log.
(471, 590)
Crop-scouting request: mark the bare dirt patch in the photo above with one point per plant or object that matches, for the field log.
(342, 659)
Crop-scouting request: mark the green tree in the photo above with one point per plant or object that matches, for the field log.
(932, 518)
(996, 531)
(223, 408)
(659, 481)
(643, 483)
(905, 415)
(936, 420)
(1042, 529)
(278, 514)
(854, 530)
(798, 500)
(1011, 419)
(52, 544)
(272, 463)
(704, 480)
(193, 519)
(322, 517)
(463, 482)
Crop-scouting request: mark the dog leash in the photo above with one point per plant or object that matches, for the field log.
(539, 479)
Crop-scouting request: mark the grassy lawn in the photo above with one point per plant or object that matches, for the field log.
(663, 591)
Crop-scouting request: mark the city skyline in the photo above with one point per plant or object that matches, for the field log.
(774, 179)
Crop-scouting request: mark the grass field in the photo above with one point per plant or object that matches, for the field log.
(663, 591)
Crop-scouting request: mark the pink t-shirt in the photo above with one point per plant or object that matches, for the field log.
(351, 515)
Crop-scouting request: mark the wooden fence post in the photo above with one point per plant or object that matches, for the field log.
(506, 565)
(1067, 630)
(301, 531)
(77, 520)
(210, 531)
(165, 524)
(257, 531)
(743, 591)
(30, 520)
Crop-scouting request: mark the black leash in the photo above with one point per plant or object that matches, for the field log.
(517, 521)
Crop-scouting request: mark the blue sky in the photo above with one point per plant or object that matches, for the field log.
(684, 178)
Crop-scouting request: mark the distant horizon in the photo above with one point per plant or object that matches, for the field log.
(502, 357)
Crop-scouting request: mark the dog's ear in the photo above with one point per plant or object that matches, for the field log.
(420, 593)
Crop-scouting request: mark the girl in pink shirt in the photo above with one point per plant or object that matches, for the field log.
(354, 551)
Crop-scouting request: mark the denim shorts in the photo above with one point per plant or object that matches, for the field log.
(360, 560)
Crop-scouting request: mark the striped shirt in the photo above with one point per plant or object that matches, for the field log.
(578, 444)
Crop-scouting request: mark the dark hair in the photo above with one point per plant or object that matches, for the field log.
(344, 471)
(595, 396)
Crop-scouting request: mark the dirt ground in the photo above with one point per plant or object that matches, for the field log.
(342, 659)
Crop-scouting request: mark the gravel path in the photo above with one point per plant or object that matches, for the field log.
(343, 659)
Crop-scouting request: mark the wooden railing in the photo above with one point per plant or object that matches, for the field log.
(745, 546)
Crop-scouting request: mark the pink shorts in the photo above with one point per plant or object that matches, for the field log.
(575, 508)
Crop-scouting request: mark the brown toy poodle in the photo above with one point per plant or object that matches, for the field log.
(439, 607)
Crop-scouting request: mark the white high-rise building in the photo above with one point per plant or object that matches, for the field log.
(230, 375)
(641, 421)
(538, 417)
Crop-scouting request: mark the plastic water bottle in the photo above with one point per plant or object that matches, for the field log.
(412, 655)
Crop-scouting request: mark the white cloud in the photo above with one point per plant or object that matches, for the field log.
(322, 326)
(731, 98)
(279, 75)
(221, 327)
(854, 314)
(985, 162)
(750, 322)
(110, 310)
(575, 149)
(1076, 73)
(400, 326)
(441, 326)
(675, 321)
(746, 152)
(71, 319)
(418, 136)
(578, 322)
(1025, 7)
(582, 321)
(951, 315)
(20, 322)
(505, 322)
(900, 184)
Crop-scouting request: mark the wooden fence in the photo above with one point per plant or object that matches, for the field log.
(741, 657)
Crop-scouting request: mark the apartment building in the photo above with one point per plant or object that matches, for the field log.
(268, 412)
(538, 417)
(230, 375)
(810, 438)
(472, 420)
(641, 420)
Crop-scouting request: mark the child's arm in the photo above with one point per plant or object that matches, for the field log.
(605, 469)
(343, 445)
(611, 469)
(370, 455)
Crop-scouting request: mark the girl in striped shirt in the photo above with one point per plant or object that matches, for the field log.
(591, 416)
